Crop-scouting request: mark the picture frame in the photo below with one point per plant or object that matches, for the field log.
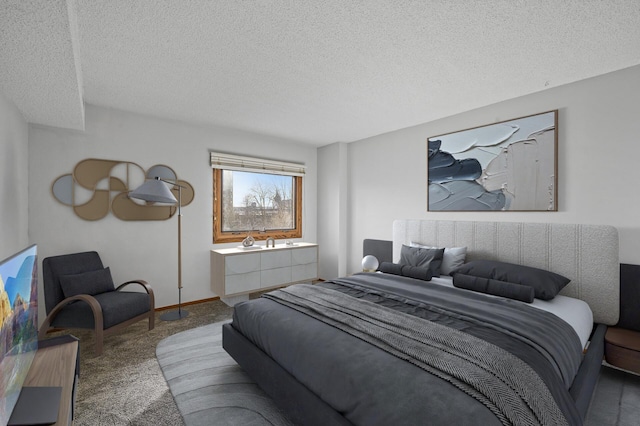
(505, 166)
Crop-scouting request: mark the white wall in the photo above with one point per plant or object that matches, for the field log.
(14, 167)
(333, 210)
(147, 249)
(598, 163)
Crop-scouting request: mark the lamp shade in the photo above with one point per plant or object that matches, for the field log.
(154, 190)
(369, 263)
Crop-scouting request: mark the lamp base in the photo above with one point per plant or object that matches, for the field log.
(174, 315)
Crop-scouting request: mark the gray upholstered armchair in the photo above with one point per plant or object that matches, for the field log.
(79, 293)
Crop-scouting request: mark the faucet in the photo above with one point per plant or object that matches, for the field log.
(272, 240)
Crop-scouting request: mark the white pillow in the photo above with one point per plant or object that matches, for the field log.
(453, 257)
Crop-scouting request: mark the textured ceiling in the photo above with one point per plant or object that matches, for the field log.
(39, 61)
(313, 71)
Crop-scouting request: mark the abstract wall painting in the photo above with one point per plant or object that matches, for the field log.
(506, 166)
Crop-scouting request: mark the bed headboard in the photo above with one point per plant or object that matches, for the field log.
(587, 254)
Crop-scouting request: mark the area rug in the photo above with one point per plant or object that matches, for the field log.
(207, 384)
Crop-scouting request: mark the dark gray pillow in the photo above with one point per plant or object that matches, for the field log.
(390, 268)
(92, 282)
(417, 272)
(418, 256)
(520, 292)
(546, 284)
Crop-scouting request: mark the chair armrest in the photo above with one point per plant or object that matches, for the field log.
(93, 304)
(146, 287)
(143, 283)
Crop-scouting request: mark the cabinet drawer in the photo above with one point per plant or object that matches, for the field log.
(241, 264)
(276, 259)
(240, 283)
(304, 255)
(276, 276)
(304, 272)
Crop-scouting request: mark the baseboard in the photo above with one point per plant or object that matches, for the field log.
(194, 302)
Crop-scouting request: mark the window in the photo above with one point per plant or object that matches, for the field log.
(261, 201)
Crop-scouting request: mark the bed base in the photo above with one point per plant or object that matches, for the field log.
(303, 407)
(587, 377)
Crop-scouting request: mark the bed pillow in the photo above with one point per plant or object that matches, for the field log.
(390, 268)
(418, 256)
(546, 284)
(92, 282)
(452, 259)
(520, 292)
(417, 272)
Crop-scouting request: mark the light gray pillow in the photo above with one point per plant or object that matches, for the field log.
(454, 257)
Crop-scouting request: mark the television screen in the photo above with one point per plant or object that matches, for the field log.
(19, 325)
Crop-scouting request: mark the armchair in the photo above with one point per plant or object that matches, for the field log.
(79, 293)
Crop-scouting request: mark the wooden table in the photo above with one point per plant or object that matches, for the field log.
(56, 364)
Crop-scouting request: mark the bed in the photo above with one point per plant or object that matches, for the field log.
(385, 348)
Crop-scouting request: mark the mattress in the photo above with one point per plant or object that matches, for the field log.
(574, 312)
(375, 387)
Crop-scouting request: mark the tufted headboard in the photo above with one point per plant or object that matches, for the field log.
(587, 254)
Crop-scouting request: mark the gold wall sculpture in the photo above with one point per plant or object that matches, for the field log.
(97, 187)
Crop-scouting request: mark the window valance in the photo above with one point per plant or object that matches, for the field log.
(251, 164)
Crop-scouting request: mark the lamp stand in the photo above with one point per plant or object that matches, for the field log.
(180, 313)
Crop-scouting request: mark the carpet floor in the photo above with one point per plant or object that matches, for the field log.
(126, 386)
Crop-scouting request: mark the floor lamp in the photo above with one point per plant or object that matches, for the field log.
(155, 190)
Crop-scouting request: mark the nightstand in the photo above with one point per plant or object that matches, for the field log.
(622, 348)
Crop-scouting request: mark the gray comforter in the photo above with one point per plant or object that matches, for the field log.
(372, 386)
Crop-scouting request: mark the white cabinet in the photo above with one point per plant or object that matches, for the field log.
(275, 268)
(304, 262)
(238, 271)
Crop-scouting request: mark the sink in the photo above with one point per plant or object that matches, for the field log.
(279, 245)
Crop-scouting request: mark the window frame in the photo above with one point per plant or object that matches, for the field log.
(220, 236)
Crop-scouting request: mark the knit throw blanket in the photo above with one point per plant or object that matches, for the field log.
(499, 380)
